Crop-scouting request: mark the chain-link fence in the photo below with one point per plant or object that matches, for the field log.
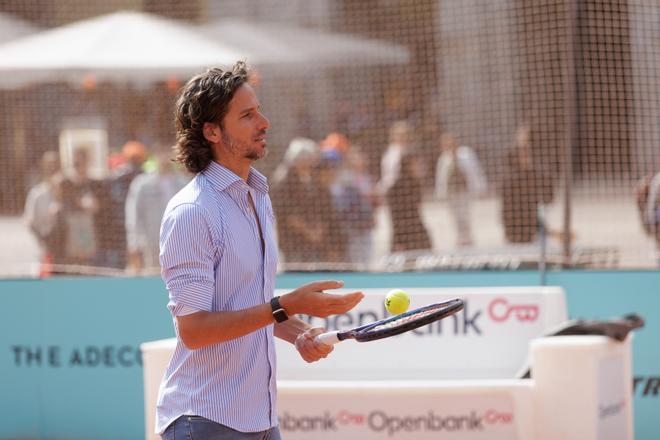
(405, 135)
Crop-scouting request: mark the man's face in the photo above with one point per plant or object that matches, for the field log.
(50, 166)
(449, 143)
(244, 127)
(401, 136)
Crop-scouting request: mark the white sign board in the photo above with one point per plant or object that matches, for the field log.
(427, 411)
(612, 388)
(488, 339)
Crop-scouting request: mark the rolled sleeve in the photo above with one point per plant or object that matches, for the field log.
(187, 258)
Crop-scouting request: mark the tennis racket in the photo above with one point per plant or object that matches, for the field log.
(394, 325)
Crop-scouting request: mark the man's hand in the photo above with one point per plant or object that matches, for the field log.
(312, 300)
(310, 350)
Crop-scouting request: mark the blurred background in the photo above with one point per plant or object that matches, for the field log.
(405, 135)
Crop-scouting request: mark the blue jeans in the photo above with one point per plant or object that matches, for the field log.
(199, 428)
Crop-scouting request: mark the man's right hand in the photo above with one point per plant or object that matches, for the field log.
(312, 300)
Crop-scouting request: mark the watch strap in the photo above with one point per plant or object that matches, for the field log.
(278, 311)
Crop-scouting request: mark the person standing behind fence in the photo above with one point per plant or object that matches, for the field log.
(405, 200)
(77, 214)
(148, 195)
(218, 259)
(294, 191)
(325, 210)
(648, 202)
(112, 233)
(356, 199)
(390, 164)
(524, 188)
(459, 179)
(39, 214)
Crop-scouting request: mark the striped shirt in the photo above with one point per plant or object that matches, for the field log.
(212, 259)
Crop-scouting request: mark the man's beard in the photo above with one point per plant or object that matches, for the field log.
(235, 147)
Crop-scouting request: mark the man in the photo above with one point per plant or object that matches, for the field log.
(458, 179)
(390, 163)
(648, 203)
(78, 213)
(293, 191)
(112, 245)
(525, 186)
(218, 260)
(147, 198)
(39, 207)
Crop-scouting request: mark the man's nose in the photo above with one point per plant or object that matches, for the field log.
(264, 122)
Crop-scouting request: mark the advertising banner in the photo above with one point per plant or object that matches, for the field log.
(416, 414)
(487, 339)
(67, 348)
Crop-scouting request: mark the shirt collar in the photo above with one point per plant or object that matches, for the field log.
(222, 178)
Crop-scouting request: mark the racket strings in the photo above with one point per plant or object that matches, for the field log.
(405, 319)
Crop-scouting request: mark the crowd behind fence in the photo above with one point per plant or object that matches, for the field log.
(496, 135)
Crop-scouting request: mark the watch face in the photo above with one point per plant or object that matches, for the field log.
(280, 315)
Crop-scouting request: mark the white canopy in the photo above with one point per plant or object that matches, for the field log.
(286, 44)
(13, 27)
(123, 46)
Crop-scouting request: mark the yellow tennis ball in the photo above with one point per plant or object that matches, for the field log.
(397, 301)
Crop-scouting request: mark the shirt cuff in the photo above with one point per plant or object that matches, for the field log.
(184, 310)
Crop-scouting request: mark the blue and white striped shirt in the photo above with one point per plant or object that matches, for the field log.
(211, 259)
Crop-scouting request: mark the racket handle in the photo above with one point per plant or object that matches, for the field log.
(329, 338)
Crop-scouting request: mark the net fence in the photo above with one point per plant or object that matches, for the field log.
(405, 135)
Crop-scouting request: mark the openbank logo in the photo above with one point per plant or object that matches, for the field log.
(381, 421)
(501, 310)
(468, 321)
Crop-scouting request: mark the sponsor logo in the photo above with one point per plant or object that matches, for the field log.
(463, 323)
(610, 410)
(500, 310)
(646, 386)
(325, 422)
(55, 356)
(381, 421)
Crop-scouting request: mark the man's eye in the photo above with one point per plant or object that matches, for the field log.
(247, 115)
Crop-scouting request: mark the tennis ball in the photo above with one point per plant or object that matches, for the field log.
(397, 301)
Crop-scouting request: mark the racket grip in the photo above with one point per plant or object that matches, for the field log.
(329, 338)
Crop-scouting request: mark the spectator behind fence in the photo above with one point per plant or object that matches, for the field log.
(355, 197)
(293, 196)
(648, 203)
(112, 231)
(405, 201)
(524, 188)
(77, 221)
(39, 214)
(459, 179)
(147, 198)
(325, 211)
(390, 164)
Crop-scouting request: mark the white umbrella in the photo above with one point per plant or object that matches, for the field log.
(278, 44)
(13, 27)
(122, 47)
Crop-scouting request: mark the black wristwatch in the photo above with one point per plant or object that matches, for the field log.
(279, 313)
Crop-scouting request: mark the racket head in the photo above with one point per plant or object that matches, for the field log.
(407, 321)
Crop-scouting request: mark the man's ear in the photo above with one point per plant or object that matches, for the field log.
(212, 132)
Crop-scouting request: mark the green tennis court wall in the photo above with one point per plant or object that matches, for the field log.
(70, 365)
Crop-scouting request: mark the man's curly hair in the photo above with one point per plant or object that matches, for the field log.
(205, 98)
